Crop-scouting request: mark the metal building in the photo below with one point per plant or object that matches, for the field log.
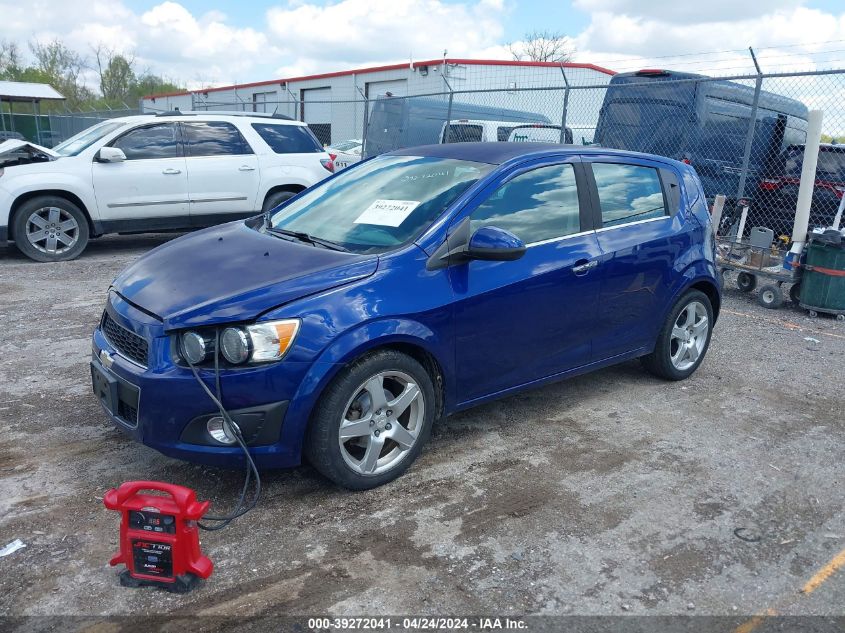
(333, 104)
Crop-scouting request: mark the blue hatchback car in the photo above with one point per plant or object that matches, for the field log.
(410, 286)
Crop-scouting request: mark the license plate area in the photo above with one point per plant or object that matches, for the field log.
(119, 397)
(105, 387)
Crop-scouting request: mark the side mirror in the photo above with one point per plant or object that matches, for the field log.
(490, 243)
(110, 155)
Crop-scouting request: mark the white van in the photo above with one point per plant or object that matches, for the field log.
(539, 133)
(474, 130)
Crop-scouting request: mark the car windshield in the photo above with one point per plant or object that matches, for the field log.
(381, 204)
(831, 164)
(86, 138)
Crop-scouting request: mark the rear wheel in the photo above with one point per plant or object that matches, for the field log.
(795, 293)
(275, 199)
(50, 229)
(683, 339)
(372, 421)
(746, 282)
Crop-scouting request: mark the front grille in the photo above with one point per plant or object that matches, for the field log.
(127, 343)
(127, 412)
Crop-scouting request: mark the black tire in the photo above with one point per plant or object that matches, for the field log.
(770, 296)
(21, 224)
(746, 281)
(795, 293)
(659, 362)
(322, 445)
(275, 199)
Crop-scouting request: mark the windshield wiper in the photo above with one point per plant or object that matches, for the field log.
(310, 239)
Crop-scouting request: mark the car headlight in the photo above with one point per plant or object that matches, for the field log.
(234, 345)
(271, 339)
(193, 347)
(257, 343)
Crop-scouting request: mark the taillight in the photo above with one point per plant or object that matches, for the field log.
(686, 161)
(769, 184)
(333, 156)
(328, 163)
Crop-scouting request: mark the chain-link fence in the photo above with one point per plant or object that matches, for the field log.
(744, 134)
(51, 129)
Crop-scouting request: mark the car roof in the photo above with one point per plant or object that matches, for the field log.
(502, 152)
(204, 116)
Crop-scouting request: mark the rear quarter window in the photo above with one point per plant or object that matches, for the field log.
(628, 193)
(288, 139)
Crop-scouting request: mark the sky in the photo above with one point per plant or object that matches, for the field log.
(201, 43)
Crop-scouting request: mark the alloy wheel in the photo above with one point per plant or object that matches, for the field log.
(689, 336)
(52, 230)
(381, 422)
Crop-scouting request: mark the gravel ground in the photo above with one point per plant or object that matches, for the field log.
(612, 493)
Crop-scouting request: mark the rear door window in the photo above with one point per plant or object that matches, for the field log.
(288, 139)
(628, 193)
(151, 141)
(214, 138)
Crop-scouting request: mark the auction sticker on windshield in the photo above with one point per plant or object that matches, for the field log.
(387, 212)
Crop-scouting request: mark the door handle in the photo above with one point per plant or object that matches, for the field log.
(246, 168)
(585, 267)
(171, 171)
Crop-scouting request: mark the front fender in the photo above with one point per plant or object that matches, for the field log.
(49, 183)
(351, 345)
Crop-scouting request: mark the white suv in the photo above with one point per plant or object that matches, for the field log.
(170, 171)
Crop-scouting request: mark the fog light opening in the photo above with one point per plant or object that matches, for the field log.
(220, 432)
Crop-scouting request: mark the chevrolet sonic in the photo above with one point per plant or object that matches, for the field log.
(341, 324)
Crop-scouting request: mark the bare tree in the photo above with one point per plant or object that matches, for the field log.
(543, 46)
(116, 73)
(10, 60)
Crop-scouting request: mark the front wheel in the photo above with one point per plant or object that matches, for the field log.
(683, 339)
(770, 296)
(372, 421)
(50, 229)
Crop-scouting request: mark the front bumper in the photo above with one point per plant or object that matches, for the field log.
(162, 405)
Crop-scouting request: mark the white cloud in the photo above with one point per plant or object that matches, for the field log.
(786, 38)
(167, 39)
(356, 32)
(687, 12)
(303, 36)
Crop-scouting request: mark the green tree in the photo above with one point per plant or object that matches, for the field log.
(117, 75)
(149, 84)
(62, 68)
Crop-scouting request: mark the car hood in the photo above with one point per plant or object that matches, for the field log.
(16, 145)
(233, 273)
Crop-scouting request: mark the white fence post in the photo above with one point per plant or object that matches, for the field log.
(808, 177)
(716, 216)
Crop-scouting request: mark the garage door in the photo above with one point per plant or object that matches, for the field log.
(317, 112)
(396, 87)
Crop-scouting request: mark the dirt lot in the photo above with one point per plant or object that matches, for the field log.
(613, 493)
